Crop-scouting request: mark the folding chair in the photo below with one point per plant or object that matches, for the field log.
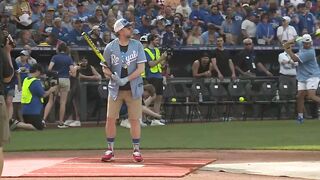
(266, 96)
(236, 90)
(287, 93)
(218, 97)
(200, 94)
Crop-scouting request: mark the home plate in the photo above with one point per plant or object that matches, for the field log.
(306, 169)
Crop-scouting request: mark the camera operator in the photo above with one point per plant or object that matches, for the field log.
(63, 64)
(6, 74)
(32, 100)
(154, 68)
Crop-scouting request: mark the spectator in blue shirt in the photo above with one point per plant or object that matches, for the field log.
(23, 65)
(306, 21)
(215, 17)
(52, 4)
(36, 16)
(168, 37)
(265, 32)
(196, 13)
(82, 13)
(75, 37)
(210, 37)
(32, 111)
(60, 32)
(61, 63)
(146, 23)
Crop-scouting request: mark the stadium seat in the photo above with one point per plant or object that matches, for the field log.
(179, 95)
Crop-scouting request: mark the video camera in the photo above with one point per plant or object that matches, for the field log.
(169, 51)
(51, 79)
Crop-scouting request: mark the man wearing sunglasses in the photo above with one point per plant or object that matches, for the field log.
(125, 61)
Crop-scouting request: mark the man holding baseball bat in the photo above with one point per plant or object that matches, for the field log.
(308, 72)
(125, 61)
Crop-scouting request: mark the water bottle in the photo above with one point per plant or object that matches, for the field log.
(200, 97)
(277, 95)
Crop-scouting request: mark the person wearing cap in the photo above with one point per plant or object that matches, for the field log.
(184, 8)
(144, 41)
(125, 61)
(286, 32)
(59, 31)
(95, 36)
(202, 68)
(168, 36)
(82, 12)
(75, 37)
(249, 28)
(146, 24)
(136, 34)
(31, 60)
(308, 72)
(32, 101)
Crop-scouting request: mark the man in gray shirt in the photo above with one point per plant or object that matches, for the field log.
(125, 61)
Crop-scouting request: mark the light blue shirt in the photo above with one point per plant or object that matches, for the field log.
(308, 66)
(115, 60)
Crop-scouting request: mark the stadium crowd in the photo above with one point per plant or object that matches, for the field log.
(191, 22)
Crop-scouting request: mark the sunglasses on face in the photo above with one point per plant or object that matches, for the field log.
(248, 44)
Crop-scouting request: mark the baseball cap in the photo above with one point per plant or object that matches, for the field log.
(136, 31)
(306, 38)
(96, 27)
(144, 38)
(24, 52)
(287, 18)
(51, 9)
(120, 24)
(80, 4)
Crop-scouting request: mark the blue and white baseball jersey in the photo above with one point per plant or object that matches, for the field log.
(308, 66)
(116, 59)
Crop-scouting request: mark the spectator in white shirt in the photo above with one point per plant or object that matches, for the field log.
(249, 28)
(184, 8)
(286, 32)
(287, 69)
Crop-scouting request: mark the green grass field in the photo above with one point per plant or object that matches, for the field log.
(278, 135)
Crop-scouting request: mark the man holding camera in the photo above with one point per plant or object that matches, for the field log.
(32, 101)
(6, 74)
(308, 72)
(153, 72)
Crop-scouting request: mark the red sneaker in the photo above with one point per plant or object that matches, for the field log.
(137, 156)
(108, 156)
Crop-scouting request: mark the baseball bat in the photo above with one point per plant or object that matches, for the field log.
(94, 48)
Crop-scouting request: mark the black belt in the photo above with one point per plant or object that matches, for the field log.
(288, 75)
